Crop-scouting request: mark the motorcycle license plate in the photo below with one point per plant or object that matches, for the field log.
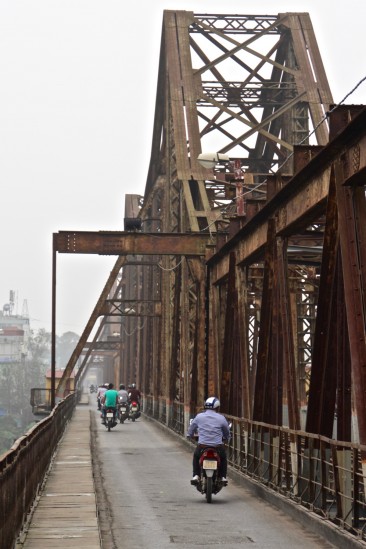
(209, 464)
(110, 414)
(124, 409)
(134, 408)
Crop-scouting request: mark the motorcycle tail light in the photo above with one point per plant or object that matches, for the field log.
(209, 453)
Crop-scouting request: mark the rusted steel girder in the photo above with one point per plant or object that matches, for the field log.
(340, 166)
(103, 345)
(262, 406)
(285, 351)
(88, 352)
(352, 231)
(257, 119)
(60, 389)
(280, 83)
(125, 243)
(323, 381)
(301, 201)
(136, 307)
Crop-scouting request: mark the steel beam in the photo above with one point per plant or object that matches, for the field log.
(125, 243)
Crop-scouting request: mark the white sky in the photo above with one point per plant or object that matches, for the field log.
(77, 99)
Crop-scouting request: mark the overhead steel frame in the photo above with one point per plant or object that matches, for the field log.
(252, 347)
(330, 186)
(250, 87)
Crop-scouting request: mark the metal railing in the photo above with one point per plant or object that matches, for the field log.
(324, 475)
(177, 420)
(23, 467)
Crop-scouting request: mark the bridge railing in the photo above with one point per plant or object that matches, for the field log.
(324, 475)
(23, 467)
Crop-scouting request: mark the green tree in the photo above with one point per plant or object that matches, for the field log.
(19, 377)
(65, 345)
(9, 432)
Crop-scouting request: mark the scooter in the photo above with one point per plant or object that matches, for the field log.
(209, 482)
(123, 411)
(134, 411)
(110, 418)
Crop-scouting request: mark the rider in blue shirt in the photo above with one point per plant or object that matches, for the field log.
(212, 429)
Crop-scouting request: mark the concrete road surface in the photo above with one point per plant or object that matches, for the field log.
(149, 503)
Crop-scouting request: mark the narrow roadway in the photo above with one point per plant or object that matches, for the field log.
(145, 475)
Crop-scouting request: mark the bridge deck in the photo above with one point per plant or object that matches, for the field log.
(146, 498)
(66, 513)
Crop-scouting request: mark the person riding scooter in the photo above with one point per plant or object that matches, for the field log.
(134, 393)
(134, 397)
(109, 400)
(101, 390)
(213, 429)
(123, 400)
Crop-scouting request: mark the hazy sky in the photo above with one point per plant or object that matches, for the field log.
(77, 99)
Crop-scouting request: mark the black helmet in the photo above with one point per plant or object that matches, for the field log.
(122, 386)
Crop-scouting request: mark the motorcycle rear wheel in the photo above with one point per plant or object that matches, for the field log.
(209, 489)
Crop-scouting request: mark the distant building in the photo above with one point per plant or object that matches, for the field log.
(14, 338)
(58, 375)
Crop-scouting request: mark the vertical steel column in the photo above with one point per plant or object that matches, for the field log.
(287, 337)
(243, 329)
(230, 341)
(53, 331)
(262, 396)
(354, 284)
(320, 413)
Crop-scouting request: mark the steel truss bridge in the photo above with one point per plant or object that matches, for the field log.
(246, 279)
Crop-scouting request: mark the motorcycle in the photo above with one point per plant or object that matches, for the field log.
(209, 482)
(110, 418)
(123, 412)
(134, 411)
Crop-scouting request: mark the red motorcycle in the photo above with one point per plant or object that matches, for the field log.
(209, 482)
(134, 410)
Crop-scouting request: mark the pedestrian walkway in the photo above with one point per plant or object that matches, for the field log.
(66, 513)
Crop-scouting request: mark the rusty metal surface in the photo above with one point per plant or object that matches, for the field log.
(259, 280)
(258, 265)
(60, 389)
(125, 243)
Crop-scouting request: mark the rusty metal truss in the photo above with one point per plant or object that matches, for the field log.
(253, 288)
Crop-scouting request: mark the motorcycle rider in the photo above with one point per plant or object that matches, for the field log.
(101, 390)
(109, 400)
(134, 396)
(123, 396)
(134, 393)
(212, 429)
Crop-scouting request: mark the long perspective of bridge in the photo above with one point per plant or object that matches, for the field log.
(240, 273)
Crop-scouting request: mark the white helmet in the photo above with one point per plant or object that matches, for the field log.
(212, 403)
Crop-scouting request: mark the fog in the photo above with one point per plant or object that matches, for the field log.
(76, 106)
